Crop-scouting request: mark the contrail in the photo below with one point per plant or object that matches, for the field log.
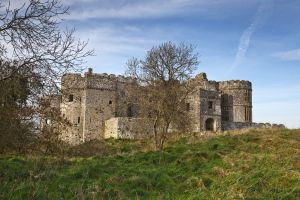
(264, 11)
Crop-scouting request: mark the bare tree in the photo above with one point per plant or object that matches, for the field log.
(30, 34)
(34, 53)
(163, 87)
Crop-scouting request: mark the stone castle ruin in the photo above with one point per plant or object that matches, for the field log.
(95, 108)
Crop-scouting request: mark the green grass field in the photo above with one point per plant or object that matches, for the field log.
(258, 164)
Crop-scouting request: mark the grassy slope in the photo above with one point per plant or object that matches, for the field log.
(256, 165)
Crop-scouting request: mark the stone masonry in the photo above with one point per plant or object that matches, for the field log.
(94, 106)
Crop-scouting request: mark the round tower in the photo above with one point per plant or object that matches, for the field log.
(236, 100)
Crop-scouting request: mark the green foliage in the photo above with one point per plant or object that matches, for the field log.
(256, 165)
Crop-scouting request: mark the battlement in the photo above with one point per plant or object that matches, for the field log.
(235, 84)
(111, 77)
(93, 80)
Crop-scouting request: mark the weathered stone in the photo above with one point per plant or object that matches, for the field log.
(94, 106)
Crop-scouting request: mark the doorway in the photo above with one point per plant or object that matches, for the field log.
(209, 124)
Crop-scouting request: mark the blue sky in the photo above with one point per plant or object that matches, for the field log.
(256, 40)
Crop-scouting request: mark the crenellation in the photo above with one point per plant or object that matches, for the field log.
(235, 84)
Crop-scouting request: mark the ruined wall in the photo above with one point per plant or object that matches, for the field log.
(247, 125)
(50, 108)
(128, 128)
(205, 103)
(193, 107)
(236, 101)
(202, 82)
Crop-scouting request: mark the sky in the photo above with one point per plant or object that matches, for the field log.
(256, 40)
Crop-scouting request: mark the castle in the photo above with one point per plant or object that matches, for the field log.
(93, 105)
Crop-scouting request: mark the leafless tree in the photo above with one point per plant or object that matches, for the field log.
(31, 36)
(34, 53)
(163, 87)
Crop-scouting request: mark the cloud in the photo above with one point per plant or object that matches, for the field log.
(128, 9)
(288, 55)
(263, 12)
(114, 44)
(136, 9)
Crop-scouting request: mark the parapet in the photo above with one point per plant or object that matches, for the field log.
(235, 84)
(103, 80)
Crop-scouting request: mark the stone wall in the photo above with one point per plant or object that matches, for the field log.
(236, 100)
(241, 125)
(89, 100)
(210, 109)
(128, 128)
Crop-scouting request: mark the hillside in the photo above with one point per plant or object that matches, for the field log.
(258, 164)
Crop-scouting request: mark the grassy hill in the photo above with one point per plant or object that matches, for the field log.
(258, 164)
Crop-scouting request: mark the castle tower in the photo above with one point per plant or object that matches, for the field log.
(236, 101)
(88, 101)
(71, 107)
(205, 104)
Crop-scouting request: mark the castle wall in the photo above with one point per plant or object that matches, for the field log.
(99, 106)
(193, 106)
(247, 125)
(128, 128)
(236, 101)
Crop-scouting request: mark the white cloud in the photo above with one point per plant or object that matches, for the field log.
(114, 45)
(288, 55)
(263, 12)
(124, 9)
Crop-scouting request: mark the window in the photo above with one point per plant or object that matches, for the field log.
(247, 95)
(225, 113)
(248, 114)
(78, 120)
(188, 107)
(210, 105)
(71, 97)
(110, 102)
(129, 111)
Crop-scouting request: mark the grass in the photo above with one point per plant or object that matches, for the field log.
(258, 164)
